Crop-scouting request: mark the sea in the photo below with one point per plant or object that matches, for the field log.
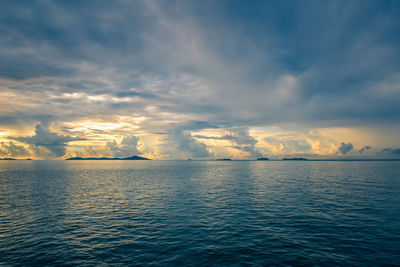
(199, 213)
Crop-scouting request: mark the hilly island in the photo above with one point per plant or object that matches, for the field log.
(103, 158)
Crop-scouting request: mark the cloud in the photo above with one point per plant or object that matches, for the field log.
(232, 65)
(243, 141)
(286, 145)
(363, 149)
(283, 82)
(182, 141)
(225, 137)
(390, 151)
(178, 142)
(12, 150)
(345, 148)
(240, 139)
(127, 147)
(54, 143)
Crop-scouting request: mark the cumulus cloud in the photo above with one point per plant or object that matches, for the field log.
(54, 143)
(243, 141)
(363, 149)
(128, 147)
(345, 148)
(240, 139)
(10, 149)
(179, 143)
(182, 141)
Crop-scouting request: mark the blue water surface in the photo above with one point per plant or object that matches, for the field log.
(199, 213)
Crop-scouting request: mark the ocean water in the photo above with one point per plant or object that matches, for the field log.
(165, 213)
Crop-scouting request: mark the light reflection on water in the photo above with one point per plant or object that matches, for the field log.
(195, 212)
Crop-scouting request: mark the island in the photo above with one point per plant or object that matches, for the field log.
(13, 159)
(295, 159)
(224, 159)
(263, 159)
(104, 158)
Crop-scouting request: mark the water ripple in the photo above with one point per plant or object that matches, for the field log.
(199, 213)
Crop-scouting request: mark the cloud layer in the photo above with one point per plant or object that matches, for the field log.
(163, 72)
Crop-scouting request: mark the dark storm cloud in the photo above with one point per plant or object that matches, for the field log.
(52, 37)
(56, 144)
(133, 93)
(197, 125)
(336, 61)
(20, 118)
(345, 148)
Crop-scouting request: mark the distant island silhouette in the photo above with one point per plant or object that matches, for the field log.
(104, 158)
(263, 159)
(295, 159)
(13, 159)
(224, 159)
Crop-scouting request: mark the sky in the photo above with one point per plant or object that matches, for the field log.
(200, 79)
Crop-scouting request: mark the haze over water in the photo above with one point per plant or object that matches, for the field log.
(199, 213)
